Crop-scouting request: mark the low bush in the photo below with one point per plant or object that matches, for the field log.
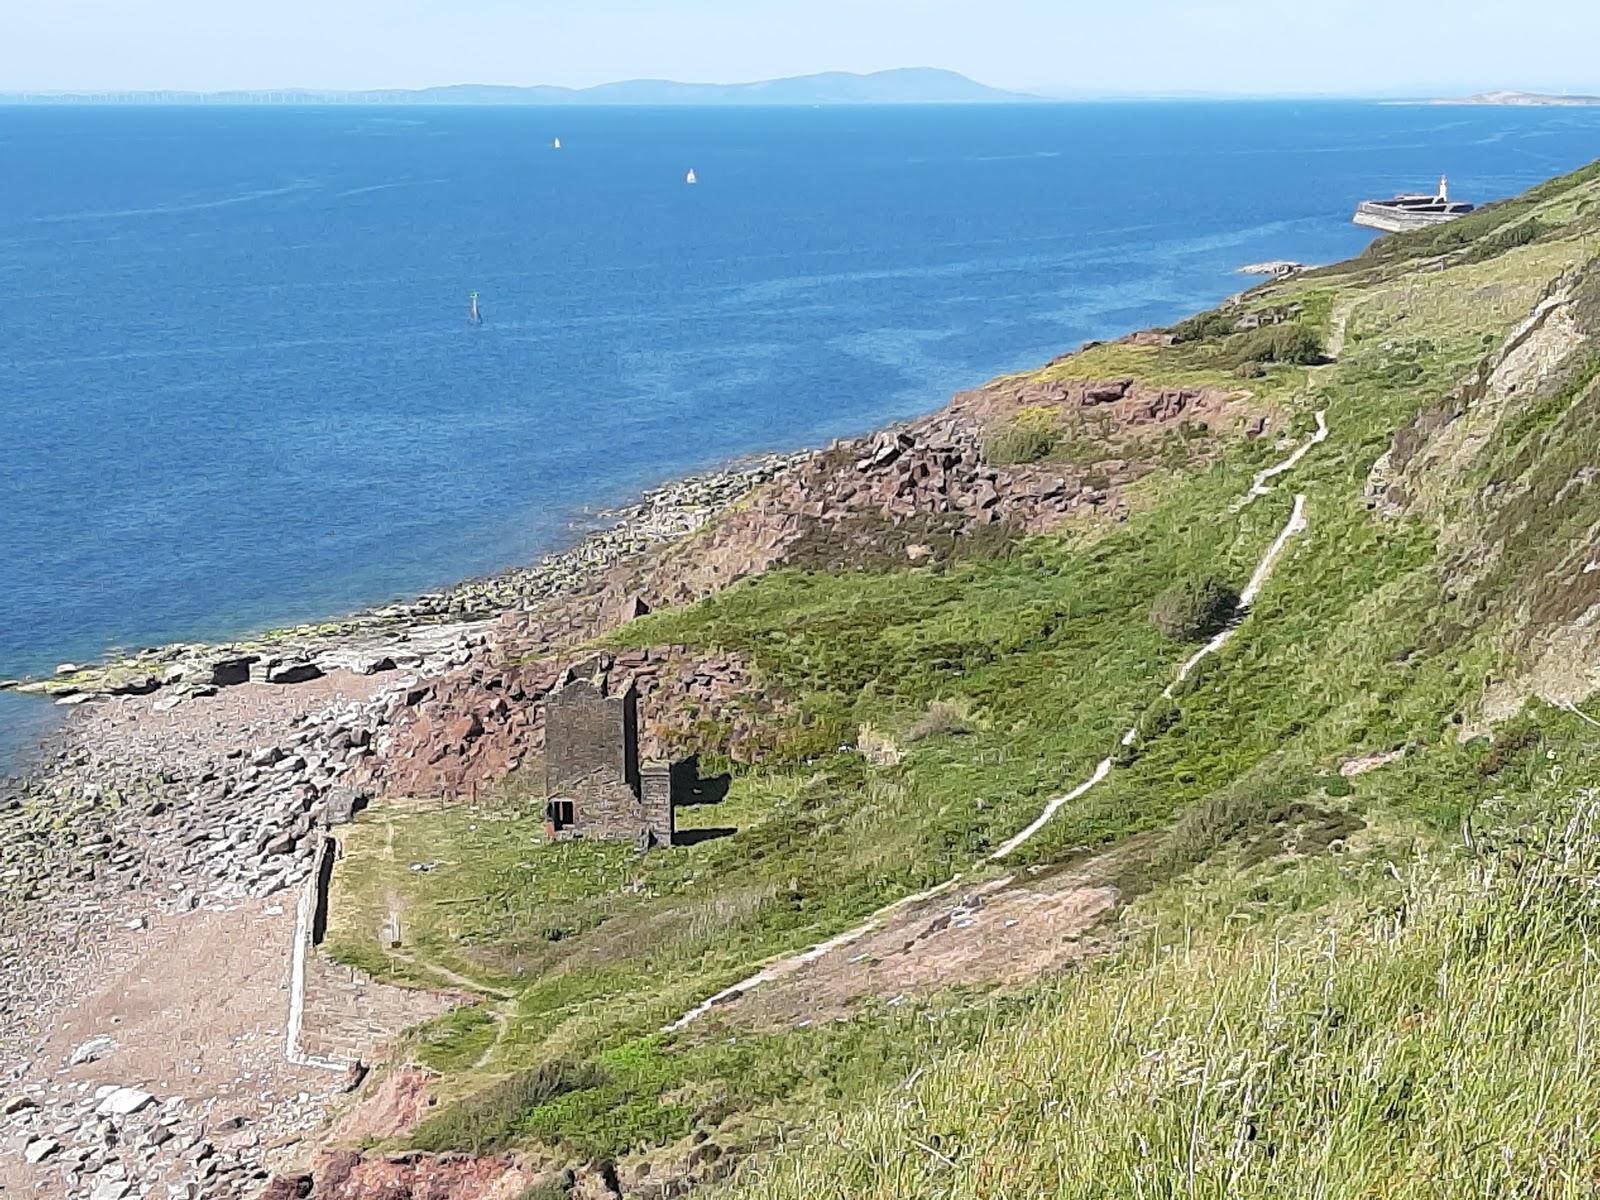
(943, 716)
(1193, 608)
(1206, 326)
(1289, 343)
(1523, 233)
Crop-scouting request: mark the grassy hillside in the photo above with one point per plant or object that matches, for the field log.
(1320, 978)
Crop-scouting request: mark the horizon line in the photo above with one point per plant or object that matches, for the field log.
(595, 93)
(1019, 99)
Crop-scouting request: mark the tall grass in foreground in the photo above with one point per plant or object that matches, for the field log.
(1446, 1048)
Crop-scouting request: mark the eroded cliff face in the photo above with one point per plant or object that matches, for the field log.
(349, 1175)
(923, 492)
(1504, 469)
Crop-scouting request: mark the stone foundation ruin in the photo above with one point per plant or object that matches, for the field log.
(595, 786)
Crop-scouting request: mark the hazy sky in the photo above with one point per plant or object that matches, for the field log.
(1112, 45)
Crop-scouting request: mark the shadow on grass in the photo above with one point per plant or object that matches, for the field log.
(693, 837)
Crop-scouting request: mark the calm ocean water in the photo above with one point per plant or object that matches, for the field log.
(237, 386)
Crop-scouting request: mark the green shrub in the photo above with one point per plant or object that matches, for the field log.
(1193, 608)
(1206, 326)
(1336, 785)
(1521, 234)
(1230, 815)
(1277, 344)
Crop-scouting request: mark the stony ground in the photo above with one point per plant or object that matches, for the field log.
(165, 1074)
(149, 914)
(150, 866)
(1003, 931)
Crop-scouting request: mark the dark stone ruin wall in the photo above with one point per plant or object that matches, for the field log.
(655, 798)
(603, 808)
(592, 777)
(589, 735)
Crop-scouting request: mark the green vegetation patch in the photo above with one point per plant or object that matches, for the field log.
(1333, 975)
(1028, 436)
(1385, 1049)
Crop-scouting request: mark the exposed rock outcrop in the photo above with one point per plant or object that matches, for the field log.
(349, 1175)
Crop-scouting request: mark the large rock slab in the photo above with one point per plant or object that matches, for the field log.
(124, 1102)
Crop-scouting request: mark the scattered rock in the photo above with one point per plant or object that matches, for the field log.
(92, 1050)
(342, 805)
(293, 671)
(124, 1101)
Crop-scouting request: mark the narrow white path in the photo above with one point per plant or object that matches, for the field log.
(1258, 486)
(786, 966)
(1296, 524)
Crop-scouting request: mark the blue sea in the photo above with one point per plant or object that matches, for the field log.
(238, 387)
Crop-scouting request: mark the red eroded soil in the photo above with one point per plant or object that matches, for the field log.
(348, 1175)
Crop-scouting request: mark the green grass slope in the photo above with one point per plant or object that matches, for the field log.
(1324, 982)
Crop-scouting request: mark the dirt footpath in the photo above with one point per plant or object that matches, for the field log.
(1008, 930)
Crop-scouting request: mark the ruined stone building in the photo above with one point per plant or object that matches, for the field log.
(595, 786)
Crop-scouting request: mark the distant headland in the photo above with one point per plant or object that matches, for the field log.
(1517, 100)
(913, 85)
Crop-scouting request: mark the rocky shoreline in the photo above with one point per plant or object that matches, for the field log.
(191, 782)
(418, 633)
(192, 785)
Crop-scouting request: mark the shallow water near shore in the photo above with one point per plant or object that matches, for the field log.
(239, 389)
(24, 723)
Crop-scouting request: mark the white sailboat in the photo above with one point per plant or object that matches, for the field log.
(690, 177)
(556, 145)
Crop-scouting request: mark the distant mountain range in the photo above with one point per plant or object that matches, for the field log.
(906, 86)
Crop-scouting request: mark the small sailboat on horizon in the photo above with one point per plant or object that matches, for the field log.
(691, 177)
(474, 314)
(556, 145)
